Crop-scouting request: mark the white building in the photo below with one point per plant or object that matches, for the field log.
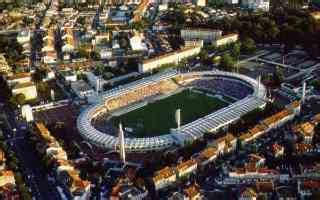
(82, 89)
(28, 89)
(24, 37)
(201, 3)
(27, 113)
(4, 67)
(137, 44)
(173, 57)
(257, 4)
(207, 35)
(226, 39)
(231, 1)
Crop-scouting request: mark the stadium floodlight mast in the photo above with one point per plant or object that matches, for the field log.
(178, 118)
(259, 84)
(303, 95)
(121, 144)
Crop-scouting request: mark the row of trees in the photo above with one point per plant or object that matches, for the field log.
(13, 163)
(288, 27)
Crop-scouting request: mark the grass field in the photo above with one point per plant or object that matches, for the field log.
(158, 117)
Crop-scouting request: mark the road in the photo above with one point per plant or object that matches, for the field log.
(41, 188)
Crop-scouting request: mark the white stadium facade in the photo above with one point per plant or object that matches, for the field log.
(123, 97)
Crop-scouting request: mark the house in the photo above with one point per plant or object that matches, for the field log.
(225, 144)
(264, 189)
(24, 37)
(306, 130)
(278, 119)
(2, 160)
(226, 39)
(172, 57)
(256, 4)
(192, 192)
(316, 119)
(164, 178)
(257, 160)
(206, 156)
(68, 76)
(82, 89)
(4, 67)
(207, 35)
(302, 148)
(248, 193)
(307, 187)
(187, 167)
(137, 44)
(277, 150)
(28, 89)
(18, 78)
(7, 177)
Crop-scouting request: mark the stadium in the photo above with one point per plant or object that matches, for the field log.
(208, 100)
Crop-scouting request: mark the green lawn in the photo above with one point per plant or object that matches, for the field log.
(158, 117)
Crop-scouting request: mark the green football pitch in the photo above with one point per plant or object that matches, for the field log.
(158, 117)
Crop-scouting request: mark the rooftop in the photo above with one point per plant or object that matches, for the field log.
(185, 165)
(164, 173)
(192, 191)
(19, 76)
(24, 85)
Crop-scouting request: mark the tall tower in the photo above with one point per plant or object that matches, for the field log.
(259, 85)
(121, 144)
(303, 95)
(178, 118)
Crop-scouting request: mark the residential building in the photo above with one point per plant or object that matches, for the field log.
(232, 2)
(4, 67)
(18, 79)
(303, 148)
(136, 43)
(7, 177)
(187, 167)
(307, 187)
(256, 4)
(207, 35)
(28, 89)
(278, 119)
(164, 178)
(82, 89)
(24, 37)
(192, 192)
(206, 156)
(248, 193)
(264, 189)
(68, 76)
(306, 131)
(78, 188)
(277, 150)
(226, 39)
(2, 160)
(257, 160)
(173, 57)
(201, 3)
(315, 15)
(251, 173)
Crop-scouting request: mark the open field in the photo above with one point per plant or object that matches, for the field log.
(158, 117)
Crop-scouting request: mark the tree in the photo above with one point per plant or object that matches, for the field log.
(203, 55)
(227, 62)
(248, 46)
(316, 84)
(18, 99)
(235, 52)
